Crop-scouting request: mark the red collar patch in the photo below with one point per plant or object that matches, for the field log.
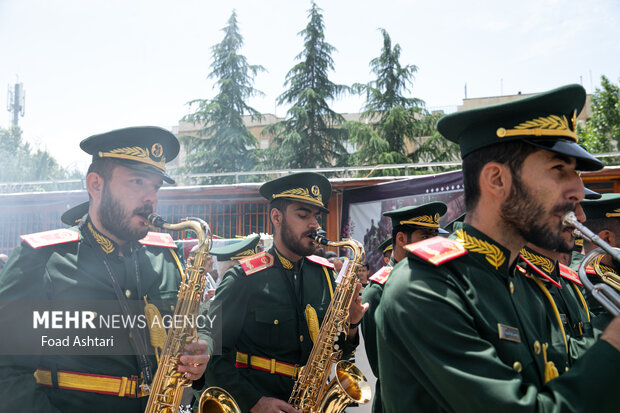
(320, 260)
(437, 250)
(257, 262)
(53, 237)
(570, 274)
(381, 276)
(158, 239)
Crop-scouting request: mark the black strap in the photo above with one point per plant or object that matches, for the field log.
(137, 336)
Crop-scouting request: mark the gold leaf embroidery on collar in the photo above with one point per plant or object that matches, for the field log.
(285, 263)
(492, 253)
(538, 260)
(105, 244)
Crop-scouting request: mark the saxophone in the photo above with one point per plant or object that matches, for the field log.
(312, 392)
(168, 385)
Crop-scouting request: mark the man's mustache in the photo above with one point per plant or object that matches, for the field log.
(144, 211)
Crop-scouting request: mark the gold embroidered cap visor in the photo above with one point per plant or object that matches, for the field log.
(142, 148)
(425, 216)
(73, 216)
(385, 246)
(237, 250)
(608, 206)
(305, 187)
(546, 120)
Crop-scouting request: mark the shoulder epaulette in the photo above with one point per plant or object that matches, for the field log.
(53, 237)
(381, 276)
(540, 273)
(320, 260)
(569, 274)
(437, 250)
(257, 262)
(158, 239)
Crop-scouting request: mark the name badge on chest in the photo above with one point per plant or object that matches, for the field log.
(508, 333)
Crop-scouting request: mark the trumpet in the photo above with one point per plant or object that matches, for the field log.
(606, 292)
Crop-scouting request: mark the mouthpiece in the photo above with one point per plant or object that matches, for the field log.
(156, 221)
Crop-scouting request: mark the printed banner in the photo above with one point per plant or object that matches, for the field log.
(362, 208)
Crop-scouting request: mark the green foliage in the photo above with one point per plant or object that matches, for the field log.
(392, 114)
(309, 136)
(602, 131)
(225, 144)
(20, 163)
(430, 146)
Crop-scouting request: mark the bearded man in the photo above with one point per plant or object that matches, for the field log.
(268, 309)
(457, 329)
(110, 259)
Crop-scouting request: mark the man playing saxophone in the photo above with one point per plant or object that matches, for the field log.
(108, 257)
(270, 306)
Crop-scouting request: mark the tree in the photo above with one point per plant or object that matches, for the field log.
(392, 116)
(21, 164)
(224, 143)
(309, 136)
(430, 146)
(602, 130)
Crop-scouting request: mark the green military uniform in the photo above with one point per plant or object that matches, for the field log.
(566, 307)
(415, 217)
(457, 328)
(67, 265)
(263, 306)
(605, 208)
(467, 336)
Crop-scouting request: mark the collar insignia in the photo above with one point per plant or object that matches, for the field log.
(104, 242)
(492, 253)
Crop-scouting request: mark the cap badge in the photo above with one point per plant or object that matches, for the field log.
(157, 150)
(303, 194)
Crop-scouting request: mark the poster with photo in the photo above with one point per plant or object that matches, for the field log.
(362, 208)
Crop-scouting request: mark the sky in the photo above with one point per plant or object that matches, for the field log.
(90, 66)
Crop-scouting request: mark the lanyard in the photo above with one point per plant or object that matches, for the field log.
(137, 337)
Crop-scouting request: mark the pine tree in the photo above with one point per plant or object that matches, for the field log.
(392, 115)
(225, 144)
(310, 135)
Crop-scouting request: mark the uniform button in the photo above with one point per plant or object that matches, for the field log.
(275, 322)
(517, 366)
(127, 293)
(566, 368)
(537, 347)
(301, 339)
(512, 287)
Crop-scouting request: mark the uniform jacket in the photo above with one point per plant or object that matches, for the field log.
(259, 317)
(460, 336)
(372, 295)
(75, 271)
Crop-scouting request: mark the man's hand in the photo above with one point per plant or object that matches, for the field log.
(194, 361)
(210, 294)
(612, 333)
(272, 405)
(356, 309)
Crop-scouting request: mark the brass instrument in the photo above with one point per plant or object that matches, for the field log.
(602, 292)
(168, 385)
(312, 392)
